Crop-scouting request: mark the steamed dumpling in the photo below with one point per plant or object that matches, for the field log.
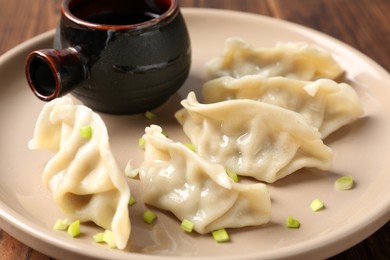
(176, 179)
(253, 138)
(83, 175)
(324, 103)
(295, 60)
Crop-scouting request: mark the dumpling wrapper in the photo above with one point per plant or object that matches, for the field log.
(176, 179)
(253, 138)
(297, 60)
(83, 175)
(324, 103)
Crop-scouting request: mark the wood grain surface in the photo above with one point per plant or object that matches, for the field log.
(363, 24)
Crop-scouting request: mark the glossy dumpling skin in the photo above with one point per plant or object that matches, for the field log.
(253, 138)
(324, 103)
(176, 179)
(297, 60)
(83, 175)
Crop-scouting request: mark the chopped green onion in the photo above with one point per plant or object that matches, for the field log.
(149, 216)
(99, 237)
(344, 183)
(232, 174)
(109, 238)
(187, 225)
(141, 143)
(220, 235)
(86, 132)
(292, 222)
(316, 205)
(132, 200)
(61, 224)
(150, 115)
(74, 229)
(191, 147)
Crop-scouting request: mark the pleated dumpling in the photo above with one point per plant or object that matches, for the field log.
(253, 138)
(324, 103)
(176, 179)
(297, 60)
(83, 175)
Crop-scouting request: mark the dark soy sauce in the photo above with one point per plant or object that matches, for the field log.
(121, 18)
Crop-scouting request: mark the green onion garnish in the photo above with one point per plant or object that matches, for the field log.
(187, 225)
(86, 132)
(292, 222)
(220, 235)
(344, 183)
(141, 143)
(99, 237)
(191, 147)
(316, 205)
(150, 115)
(74, 229)
(149, 216)
(232, 174)
(109, 238)
(61, 224)
(132, 200)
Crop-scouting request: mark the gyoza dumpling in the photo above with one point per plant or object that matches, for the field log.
(83, 175)
(253, 138)
(175, 178)
(295, 60)
(324, 103)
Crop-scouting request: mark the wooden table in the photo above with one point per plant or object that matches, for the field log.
(363, 24)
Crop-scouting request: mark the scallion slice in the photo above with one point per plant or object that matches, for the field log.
(132, 200)
(291, 222)
(99, 237)
(109, 238)
(220, 235)
(149, 216)
(141, 143)
(150, 115)
(61, 224)
(86, 131)
(316, 205)
(74, 229)
(344, 183)
(191, 147)
(187, 225)
(232, 174)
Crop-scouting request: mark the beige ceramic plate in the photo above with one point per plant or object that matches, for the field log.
(27, 211)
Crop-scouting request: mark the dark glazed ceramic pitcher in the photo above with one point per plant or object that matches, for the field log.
(116, 56)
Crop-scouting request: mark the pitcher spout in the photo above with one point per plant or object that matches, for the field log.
(53, 73)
